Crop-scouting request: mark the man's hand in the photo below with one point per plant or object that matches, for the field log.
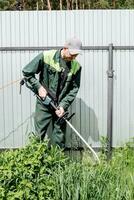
(42, 92)
(60, 112)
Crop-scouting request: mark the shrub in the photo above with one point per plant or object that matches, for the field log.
(27, 173)
(42, 173)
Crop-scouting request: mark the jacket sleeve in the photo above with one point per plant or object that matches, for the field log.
(32, 68)
(70, 96)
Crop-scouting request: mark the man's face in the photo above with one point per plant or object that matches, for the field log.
(67, 56)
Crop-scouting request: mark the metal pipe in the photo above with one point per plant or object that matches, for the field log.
(110, 102)
(90, 48)
(50, 47)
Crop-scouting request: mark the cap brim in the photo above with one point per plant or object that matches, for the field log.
(75, 51)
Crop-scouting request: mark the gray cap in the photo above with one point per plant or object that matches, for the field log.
(74, 45)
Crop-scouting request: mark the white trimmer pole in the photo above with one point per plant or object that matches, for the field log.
(48, 101)
(78, 134)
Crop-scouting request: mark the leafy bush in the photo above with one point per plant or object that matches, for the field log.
(37, 172)
(26, 173)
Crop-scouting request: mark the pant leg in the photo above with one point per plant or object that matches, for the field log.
(42, 119)
(58, 134)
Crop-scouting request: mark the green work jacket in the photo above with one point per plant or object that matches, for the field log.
(49, 65)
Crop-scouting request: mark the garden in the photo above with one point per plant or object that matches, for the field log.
(38, 172)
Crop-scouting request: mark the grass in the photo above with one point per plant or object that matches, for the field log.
(112, 180)
(36, 172)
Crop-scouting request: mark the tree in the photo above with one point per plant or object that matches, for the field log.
(64, 4)
(101, 4)
(129, 4)
(60, 4)
(7, 4)
(48, 5)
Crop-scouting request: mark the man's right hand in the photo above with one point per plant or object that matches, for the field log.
(42, 92)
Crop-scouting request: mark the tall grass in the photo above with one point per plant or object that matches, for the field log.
(112, 180)
(36, 172)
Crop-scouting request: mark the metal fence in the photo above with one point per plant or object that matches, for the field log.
(95, 115)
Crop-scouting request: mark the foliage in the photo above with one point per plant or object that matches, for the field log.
(39, 172)
(65, 4)
(101, 4)
(27, 173)
(109, 180)
(7, 4)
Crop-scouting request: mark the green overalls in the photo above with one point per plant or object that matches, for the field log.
(49, 65)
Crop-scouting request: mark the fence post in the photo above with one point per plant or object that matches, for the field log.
(110, 101)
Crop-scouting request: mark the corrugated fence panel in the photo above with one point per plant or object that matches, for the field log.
(131, 99)
(123, 125)
(51, 28)
(16, 109)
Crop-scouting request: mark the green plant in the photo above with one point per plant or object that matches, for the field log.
(39, 172)
(26, 173)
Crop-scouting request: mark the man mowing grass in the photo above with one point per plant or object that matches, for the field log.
(59, 76)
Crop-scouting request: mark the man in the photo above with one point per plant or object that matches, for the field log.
(59, 77)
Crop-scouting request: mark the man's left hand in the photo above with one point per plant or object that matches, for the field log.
(60, 112)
